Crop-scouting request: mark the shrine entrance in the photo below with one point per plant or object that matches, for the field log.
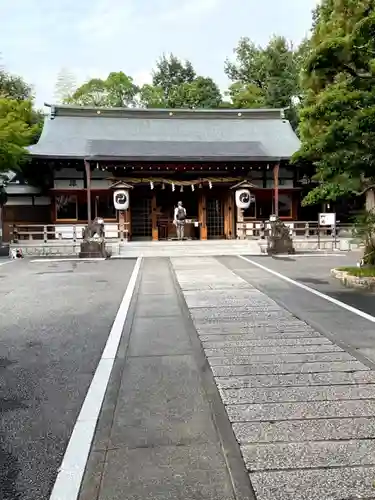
(166, 202)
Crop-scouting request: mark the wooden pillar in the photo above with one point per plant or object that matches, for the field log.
(154, 219)
(228, 215)
(88, 190)
(202, 216)
(276, 187)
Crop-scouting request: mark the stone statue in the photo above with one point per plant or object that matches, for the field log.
(95, 229)
(279, 239)
(93, 244)
(179, 220)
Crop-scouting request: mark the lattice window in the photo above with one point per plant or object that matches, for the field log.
(215, 218)
(141, 218)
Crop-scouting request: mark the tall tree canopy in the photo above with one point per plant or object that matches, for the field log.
(201, 93)
(171, 72)
(265, 77)
(177, 85)
(117, 90)
(338, 116)
(14, 87)
(17, 130)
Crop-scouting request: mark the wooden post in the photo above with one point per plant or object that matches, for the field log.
(154, 219)
(228, 215)
(88, 190)
(276, 187)
(121, 220)
(202, 216)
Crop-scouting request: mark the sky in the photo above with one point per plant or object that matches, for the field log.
(91, 38)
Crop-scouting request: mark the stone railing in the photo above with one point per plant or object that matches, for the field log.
(49, 233)
(297, 229)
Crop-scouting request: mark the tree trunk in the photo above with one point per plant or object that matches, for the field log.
(369, 252)
(370, 200)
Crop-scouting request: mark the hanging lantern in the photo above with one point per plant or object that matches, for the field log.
(210, 184)
(182, 189)
(244, 198)
(151, 185)
(121, 199)
(173, 187)
(192, 187)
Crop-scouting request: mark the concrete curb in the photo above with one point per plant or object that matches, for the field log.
(359, 282)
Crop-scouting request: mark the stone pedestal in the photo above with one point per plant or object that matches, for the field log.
(93, 250)
(279, 239)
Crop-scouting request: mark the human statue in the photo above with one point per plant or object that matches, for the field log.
(179, 220)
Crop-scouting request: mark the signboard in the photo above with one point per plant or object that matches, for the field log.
(327, 219)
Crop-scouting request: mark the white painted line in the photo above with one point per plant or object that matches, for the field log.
(311, 290)
(69, 259)
(309, 255)
(72, 469)
(6, 262)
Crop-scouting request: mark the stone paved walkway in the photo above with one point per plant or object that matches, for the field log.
(302, 409)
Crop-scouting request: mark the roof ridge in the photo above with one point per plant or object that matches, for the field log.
(252, 113)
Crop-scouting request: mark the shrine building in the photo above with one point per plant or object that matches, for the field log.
(199, 157)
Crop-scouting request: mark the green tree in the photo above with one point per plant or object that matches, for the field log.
(265, 77)
(14, 87)
(245, 95)
(152, 97)
(170, 73)
(338, 115)
(117, 90)
(17, 130)
(201, 93)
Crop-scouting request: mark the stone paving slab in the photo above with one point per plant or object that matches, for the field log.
(277, 358)
(287, 368)
(166, 472)
(296, 379)
(216, 343)
(344, 483)
(281, 349)
(290, 394)
(253, 334)
(290, 411)
(302, 409)
(305, 430)
(262, 312)
(225, 327)
(309, 455)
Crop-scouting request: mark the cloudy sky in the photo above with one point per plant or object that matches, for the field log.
(93, 37)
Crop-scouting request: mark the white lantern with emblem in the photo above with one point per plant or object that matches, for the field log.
(121, 199)
(244, 198)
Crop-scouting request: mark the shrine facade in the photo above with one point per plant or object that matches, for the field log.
(199, 157)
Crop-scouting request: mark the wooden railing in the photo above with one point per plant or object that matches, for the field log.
(50, 233)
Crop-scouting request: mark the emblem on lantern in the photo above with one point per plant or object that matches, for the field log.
(121, 199)
(244, 198)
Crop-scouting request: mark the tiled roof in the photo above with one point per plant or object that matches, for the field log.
(78, 132)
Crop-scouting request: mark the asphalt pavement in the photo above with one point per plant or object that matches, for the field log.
(55, 318)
